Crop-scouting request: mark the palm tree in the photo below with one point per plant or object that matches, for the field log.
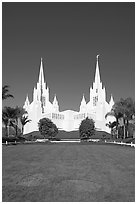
(120, 108)
(114, 112)
(5, 92)
(127, 109)
(130, 111)
(8, 116)
(5, 121)
(111, 125)
(19, 113)
(24, 120)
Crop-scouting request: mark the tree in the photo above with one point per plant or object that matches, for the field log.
(5, 121)
(123, 109)
(19, 114)
(115, 112)
(8, 117)
(24, 120)
(5, 92)
(53, 131)
(87, 128)
(130, 112)
(112, 126)
(126, 108)
(131, 130)
(47, 127)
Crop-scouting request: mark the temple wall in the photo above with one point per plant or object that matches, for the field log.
(67, 120)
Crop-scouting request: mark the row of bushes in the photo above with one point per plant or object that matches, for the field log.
(14, 139)
(48, 130)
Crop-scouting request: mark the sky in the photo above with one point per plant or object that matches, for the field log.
(68, 36)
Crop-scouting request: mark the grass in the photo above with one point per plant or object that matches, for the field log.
(68, 172)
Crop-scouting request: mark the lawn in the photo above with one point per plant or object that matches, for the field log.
(68, 172)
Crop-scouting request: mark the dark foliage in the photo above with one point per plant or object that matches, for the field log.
(87, 129)
(129, 140)
(47, 128)
(13, 139)
(54, 139)
(131, 130)
(66, 135)
(24, 120)
(124, 112)
(10, 118)
(5, 92)
(33, 136)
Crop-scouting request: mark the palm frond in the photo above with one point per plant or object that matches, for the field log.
(5, 92)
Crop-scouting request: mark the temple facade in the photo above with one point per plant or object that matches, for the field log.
(68, 120)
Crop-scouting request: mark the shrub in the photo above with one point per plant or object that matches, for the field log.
(47, 127)
(21, 139)
(13, 138)
(33, 136)
(129, 140)
(131, 130)
(87, 129)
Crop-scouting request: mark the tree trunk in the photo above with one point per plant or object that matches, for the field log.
(111, 132)
(22, 129)
(124, 131)
(127, 127)
(117, 133)
(117, 127)
(8, 131)
(16, 127)
(134, 134)
(124, 121)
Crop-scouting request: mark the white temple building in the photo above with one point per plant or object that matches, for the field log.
(68, 120)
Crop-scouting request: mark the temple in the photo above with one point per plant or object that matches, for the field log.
(68, 120)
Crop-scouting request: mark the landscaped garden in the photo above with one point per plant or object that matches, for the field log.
(68, 172)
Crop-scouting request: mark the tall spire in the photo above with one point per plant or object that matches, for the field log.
(41, 75)
(27, 103)
(34, 94)
(111, 102)
(97, 74)
(41, 84)
(27, 99)
(55, 102)
(83, 102)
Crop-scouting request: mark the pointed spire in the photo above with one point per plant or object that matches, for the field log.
(27, 101)
(97, 74)
(104, 89)
(55, 102)
(34, 94)
(111, 102)
(34, 90)
(41, 75)
(47, 89)
(83, 102)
